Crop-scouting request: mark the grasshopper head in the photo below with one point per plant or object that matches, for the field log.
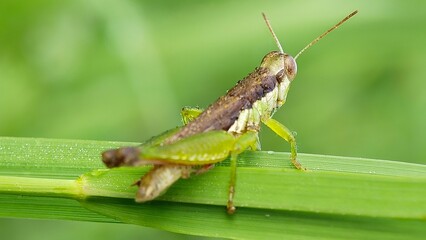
(280, 64)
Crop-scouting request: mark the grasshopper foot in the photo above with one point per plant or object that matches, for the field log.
(230, 207)
(297, 164)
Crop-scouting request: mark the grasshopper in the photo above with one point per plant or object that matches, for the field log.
(226, 128)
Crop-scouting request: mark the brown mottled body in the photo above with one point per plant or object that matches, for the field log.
(222, 114)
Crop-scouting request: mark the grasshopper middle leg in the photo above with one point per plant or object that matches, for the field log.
(195, 151)
(250, 139)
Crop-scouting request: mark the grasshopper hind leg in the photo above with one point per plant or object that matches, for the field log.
(161, 177)
(158, 180)
(129, 156)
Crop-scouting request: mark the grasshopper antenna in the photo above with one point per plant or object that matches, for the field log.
(273, 33)
(325, 33)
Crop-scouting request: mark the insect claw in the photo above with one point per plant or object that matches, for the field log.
(297, 164)
(230, 208)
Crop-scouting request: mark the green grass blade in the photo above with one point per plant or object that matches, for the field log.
(332, 163)
(23, 206)
(271, 188)
(43, 178)
(250, 223)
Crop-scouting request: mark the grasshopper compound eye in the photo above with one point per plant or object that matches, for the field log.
(289, 70)
(290, 67)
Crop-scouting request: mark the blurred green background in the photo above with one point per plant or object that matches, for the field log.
(121, 70)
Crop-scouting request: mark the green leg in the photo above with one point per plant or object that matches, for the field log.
(188, 114)
(249, 139)
(231, 191)
(285, 133)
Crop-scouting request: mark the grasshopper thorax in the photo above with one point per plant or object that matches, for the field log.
(280, 64)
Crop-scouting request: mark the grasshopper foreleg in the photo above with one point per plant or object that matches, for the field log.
(286, 134)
